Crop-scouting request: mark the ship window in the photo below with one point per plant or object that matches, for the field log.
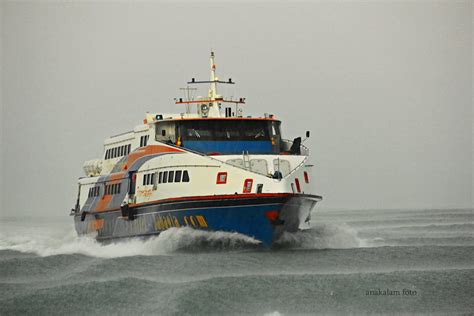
(160, 177)
(122, 150)
(148, 178)
(165, 176)
(185, 176)
(229, 130)
(177, 176)
(107, 154)
(165, 131)
(171, 176)
(144, 140)
(129, 147)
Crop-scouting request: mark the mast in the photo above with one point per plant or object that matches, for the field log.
(210, 106)
(213, 89)
(214, 108)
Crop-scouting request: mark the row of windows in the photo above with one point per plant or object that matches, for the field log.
(149, 178)
(112, 188)
(118, 151)
(166, 177)
(95, 191)
(173, 176)
(144, 140)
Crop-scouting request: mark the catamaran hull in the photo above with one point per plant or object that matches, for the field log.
(263, 217)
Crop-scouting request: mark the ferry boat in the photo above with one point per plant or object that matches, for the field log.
(212, 169)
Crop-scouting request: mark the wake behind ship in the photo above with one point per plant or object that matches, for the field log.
(214, 169)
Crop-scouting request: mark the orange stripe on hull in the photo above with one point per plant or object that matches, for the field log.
(104, 202)
(148, 150)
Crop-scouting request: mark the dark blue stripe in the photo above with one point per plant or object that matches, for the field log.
(229, 147)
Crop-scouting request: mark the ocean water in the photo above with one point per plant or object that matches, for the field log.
(349, 262)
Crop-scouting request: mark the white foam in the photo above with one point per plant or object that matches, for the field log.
(171, 240)
(322, 236)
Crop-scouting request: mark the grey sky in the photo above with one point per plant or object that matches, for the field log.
(385, 88)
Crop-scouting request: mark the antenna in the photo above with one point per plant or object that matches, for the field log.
(188, 97)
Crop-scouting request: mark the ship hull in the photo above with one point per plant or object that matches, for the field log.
(260, 216)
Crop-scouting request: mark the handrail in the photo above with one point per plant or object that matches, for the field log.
(210, 157)
(236, 166)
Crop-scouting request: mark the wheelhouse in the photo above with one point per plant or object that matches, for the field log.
(223, 135)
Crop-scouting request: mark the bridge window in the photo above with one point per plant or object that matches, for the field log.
(229, 130)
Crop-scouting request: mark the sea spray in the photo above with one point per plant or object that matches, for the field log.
(171, 240)
(321, 236)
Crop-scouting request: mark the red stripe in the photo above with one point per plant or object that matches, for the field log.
(207, 197)
(216, 197)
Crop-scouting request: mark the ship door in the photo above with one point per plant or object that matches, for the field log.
(132, 182)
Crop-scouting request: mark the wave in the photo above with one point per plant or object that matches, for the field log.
(321, 236)
(422, 241)
(171, 240)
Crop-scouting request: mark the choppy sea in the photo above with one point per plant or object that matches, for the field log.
(349, 262)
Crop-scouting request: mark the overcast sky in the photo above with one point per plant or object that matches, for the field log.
(385, 89)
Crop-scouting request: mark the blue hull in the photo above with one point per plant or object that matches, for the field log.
(261, 217)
